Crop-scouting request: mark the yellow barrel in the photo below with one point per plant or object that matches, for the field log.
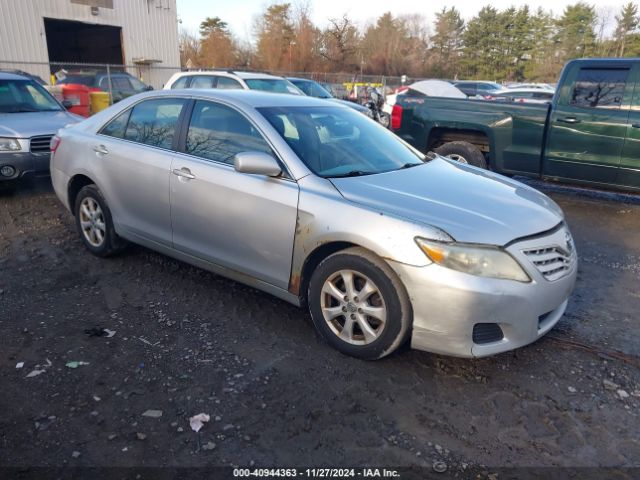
(99, 101)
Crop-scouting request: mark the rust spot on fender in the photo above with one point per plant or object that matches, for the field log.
(294, 284)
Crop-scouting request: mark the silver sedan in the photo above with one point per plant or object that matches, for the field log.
(322, 207)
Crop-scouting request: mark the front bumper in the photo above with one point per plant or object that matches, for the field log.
(25, 163)
(447, 303)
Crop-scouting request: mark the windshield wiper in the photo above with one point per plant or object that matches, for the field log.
(352, 173)
(409, 165)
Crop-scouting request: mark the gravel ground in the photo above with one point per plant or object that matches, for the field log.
(188, 342)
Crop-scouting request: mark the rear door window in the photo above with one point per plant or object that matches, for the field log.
(226, 83)
(121, 84)
(203, 81)
(599, 88)
(217, 132)
(154, 122)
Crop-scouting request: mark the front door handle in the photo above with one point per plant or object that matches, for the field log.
(569, 120)
(184, 173)
(101, 149)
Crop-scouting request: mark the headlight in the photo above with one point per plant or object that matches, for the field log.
(475, 260)
(9, 145)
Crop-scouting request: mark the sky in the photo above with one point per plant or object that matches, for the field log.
(239, 14)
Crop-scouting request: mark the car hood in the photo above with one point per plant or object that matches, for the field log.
(29, 124)
(470, 204)
(355, 106)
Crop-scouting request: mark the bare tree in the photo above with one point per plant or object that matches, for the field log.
(340, 43)
(189, 45)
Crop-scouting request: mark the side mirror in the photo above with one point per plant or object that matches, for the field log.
(67, 104)
(258, 163)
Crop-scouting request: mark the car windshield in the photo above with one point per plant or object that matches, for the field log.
(312, 89)
(17, 96)
(275, 85)
(340, 142)
(489, 86)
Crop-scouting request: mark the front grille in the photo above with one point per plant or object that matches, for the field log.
(552, 262)
(41, 144)
(487, 333)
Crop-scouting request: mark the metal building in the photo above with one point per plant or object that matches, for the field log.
(139, 33)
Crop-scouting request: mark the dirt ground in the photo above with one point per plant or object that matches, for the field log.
(188, 342)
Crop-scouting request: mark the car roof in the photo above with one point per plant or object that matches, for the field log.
(484, 82)
(248, 98)
(92, 73)
(230, 73)
(12, 76)
(298, 79)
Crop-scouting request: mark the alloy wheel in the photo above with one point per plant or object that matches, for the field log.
(92, 221)
(457, 158)
(353, 307)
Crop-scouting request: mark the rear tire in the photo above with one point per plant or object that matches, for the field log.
(359, 305)
(95, 224)
(463, 152)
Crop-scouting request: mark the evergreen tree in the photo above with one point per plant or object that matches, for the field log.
(446, 42)
(626, 23)
(576, 31)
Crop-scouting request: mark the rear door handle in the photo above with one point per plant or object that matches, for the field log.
(101, 149)
(569, 120)
(184, 173)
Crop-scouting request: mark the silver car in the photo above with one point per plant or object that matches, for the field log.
(29, 117)
(322, 207)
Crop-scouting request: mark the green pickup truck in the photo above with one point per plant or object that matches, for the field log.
(589, 134)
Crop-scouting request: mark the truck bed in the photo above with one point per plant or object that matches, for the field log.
(510, 134)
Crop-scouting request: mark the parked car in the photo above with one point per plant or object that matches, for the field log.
(123, 85)
(312, 88)
(22, 73)
(232, 80)
(539, 86)
(589, 134)
(524, 95)
(29, 117)
(477, 89)
(316, 204)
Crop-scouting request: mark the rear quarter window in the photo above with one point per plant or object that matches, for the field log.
(180, 83)
(116, 128)
(154, 122)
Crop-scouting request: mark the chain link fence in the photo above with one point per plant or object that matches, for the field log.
(110, 77)
(152, 75)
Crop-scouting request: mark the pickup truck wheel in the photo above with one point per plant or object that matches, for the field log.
(359, 305)
(463, 152)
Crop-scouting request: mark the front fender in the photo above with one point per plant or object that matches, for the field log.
(324, 216)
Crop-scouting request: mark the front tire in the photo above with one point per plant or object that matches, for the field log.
(95, 224)
(463, 152)
(359, 305)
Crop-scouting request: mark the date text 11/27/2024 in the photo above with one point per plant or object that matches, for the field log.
(316, 472)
